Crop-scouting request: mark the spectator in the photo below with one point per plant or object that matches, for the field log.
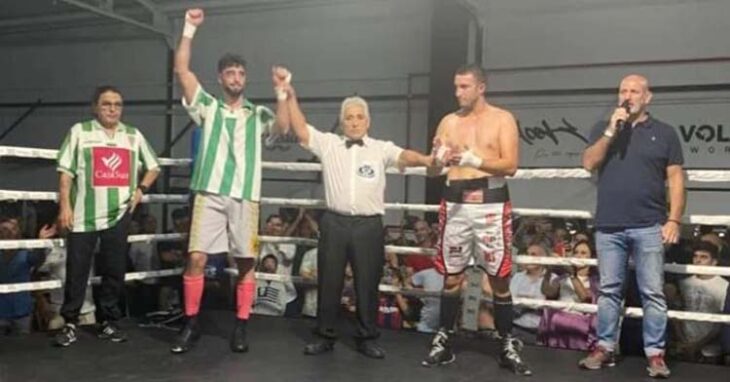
(271, 296)
(430, 280)
(308, 271)
(284, 252)
(424, 239)
(698, 341)
(528, 284)
(393, 309)
(16, 267)
(571, 330)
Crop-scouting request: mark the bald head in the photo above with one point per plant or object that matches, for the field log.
(638, 79)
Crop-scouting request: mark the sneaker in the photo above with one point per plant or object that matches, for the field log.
(510, 357)
(599, 357)
(238, 337)
(66, 336)
(111, 332)
(189, 334)
(440, 353)
(657, 368)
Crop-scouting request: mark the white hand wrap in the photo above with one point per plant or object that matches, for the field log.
(281, 94)
(440, 155)
(469, 159)
(189, 30)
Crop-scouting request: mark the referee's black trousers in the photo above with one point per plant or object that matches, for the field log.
(359, 240)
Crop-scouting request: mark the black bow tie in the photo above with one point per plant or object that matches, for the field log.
(350, 142)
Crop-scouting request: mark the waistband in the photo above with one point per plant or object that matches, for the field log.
(477, 191)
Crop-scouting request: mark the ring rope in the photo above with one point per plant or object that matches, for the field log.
(545, 173)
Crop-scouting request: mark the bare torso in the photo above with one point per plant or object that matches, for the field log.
(477, 131)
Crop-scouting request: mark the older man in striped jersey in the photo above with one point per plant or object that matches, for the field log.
(226, 182)
(99, 165)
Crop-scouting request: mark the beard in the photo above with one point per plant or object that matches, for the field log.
(233, 93)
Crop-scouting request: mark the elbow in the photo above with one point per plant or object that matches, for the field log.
(511, 171)
(588, 164)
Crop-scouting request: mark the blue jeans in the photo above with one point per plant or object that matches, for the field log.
(614, 247)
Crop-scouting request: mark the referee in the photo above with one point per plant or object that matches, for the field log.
(353, 169)
(99, 163)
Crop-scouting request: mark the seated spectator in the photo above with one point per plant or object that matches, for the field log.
(284, 252)
(271, 296)
(347, 301)
(424, 239)
(16, 266)
(308, 271)
(528, 284)
(700, 341)
(393, 308)
(570, 330)
(430, 280)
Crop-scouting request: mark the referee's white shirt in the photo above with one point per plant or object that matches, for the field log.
(354, 178)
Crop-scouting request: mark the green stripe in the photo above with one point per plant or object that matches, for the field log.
(198, 165)
(230, 166)
(133, 175)
(89, 198)
(250, 155)
(64, 146)
(86, 126)
(211, 150)
(112, 195)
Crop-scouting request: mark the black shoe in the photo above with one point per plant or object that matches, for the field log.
(510, 357)
(319, 346)
(109, 331)
(66, 336)
(238, 337)
(189, 334)
(370, 349)
(440, 353)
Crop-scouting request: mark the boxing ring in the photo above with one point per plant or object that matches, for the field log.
(277, 343)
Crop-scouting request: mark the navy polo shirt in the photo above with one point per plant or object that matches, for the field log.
(632, 178)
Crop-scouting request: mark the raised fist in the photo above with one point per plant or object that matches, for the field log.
(194, 16)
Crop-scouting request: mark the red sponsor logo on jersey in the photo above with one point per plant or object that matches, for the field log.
(111, 167)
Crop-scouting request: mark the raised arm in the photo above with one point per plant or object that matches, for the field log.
(297, 119)
(188, 80)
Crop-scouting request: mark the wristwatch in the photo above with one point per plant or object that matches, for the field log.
(143, 188)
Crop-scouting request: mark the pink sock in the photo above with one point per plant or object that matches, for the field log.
(193, 289)
(244, 296)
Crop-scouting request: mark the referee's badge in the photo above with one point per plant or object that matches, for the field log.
(367, 171)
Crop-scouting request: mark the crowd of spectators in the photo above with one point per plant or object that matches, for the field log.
(400, 308)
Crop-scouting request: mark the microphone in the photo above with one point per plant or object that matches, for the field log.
(621, 123)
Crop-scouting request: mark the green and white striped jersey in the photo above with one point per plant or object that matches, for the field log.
(228, 161)
(105, 172)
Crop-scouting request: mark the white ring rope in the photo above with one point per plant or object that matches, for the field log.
(319, 203)
(547, 173)
(692, 175)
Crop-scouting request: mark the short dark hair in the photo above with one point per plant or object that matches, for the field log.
(477, 71)
(706, 246)
(272, 217)
(101, 90)
(230, 59)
